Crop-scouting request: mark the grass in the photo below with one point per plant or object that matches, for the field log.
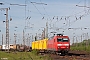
(82, 46)
(22, 56)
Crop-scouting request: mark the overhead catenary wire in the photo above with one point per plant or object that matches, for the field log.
(36, 8)
(65, 17)
(74, 15)
(16, 5)
(5, 2)
(45, 10)
(76, 19)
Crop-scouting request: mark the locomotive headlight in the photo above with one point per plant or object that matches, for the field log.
(66, 44)
(62, 44)
(58, 46)
(67, 47)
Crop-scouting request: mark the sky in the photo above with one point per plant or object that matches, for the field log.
(33, 15)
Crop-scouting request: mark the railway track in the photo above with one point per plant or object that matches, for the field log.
(72, 55)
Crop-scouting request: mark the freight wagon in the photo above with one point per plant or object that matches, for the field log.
(14, 47)
(40, 45)
(5, 47)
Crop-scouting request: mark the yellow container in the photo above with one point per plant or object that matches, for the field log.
(33, 45)
(40, 44)
(45, 44)
(36, 44)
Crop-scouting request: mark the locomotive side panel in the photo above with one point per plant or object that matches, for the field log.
(49, 44)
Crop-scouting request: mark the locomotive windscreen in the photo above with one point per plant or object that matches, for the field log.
(62, 40)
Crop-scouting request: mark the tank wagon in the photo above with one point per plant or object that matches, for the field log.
(57, 44)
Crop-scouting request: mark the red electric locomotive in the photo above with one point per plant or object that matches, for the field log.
(59, 44)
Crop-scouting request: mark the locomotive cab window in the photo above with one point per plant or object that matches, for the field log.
(65, 40)
(59, 39)
(62, 40)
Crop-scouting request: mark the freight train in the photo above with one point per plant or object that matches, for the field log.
(59, 44)
(15, 47)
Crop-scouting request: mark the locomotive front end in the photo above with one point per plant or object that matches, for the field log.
(63, 44)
